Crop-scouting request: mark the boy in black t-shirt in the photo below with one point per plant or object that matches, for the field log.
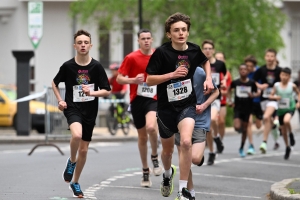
(171, 68)
(83, 76)
(245, 91)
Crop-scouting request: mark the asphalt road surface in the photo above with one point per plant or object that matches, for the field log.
(114, 172)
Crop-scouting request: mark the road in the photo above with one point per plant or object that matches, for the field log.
(114, 172)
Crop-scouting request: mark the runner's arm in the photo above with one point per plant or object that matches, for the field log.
(208, 84)
(296, 90)
(273, 95)
(121, 79)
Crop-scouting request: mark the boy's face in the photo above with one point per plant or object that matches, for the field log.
(284, 77)
(220, 56)
(208, 50)
(178, 32)
(145, 41)
(250, 66)
(270, 58)
(114, 72)
(243, 71)
(82, 44)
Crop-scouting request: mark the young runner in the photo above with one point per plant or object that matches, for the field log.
(251, 63)
(143, 102)
(171, 68)
(265, 77)
(224, 89)
(83, 76)
(283, 93)
(217, 67)
(245, 91)
(202, 125)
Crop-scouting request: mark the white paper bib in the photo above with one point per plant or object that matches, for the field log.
(146, 91)
(78, 94)
(267, 92)
(180, 90)
(284, 103)
(216, 78)
(243, 91)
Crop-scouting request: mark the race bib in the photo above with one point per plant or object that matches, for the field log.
(146, 91)
(267, 92)
(78, 94)
(216, 78)
(284, 103)
(243, 91)
(180, 90)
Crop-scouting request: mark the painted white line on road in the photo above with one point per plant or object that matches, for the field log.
(270, 163)
(234, 177)
(206, 193)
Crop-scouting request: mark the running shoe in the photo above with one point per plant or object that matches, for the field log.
(263, 147)
(69, 171)
(242, 153)
(211, 158)
(219, 143)
(157, 169)
(251, 150)
(166, 186)
(287, 153)
(75, 188)
(146, 182)
(276, 146)
(184, 194)
(292, 139)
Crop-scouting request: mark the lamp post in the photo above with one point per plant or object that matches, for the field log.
(140, 14)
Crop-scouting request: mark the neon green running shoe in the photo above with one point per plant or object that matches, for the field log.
(263, 147)
(166, 186)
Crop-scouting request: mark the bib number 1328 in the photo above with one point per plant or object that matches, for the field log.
(181, 90)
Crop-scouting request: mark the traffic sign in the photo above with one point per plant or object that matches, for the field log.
(35, 22)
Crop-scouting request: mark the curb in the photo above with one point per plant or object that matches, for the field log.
(279, 190)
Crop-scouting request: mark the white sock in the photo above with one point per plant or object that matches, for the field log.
(182, 184)
(168, 173)
(193, 193)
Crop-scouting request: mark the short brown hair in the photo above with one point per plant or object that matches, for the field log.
(82, 32)
(208, 42)
(272, 51)
(176, 17)
(250, 58)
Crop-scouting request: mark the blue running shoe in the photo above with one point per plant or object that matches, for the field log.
(251, 150)
(242, 153)
(75, 188)
(69, 171)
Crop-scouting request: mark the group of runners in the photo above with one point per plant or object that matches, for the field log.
(177, 91)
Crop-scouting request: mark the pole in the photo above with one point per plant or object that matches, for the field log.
(140, 14)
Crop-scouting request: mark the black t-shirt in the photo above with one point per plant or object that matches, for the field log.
(264, 75)
(242, 101)
(217, 68)
(166, 59)
(73, 74)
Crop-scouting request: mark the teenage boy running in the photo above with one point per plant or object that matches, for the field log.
(265, 77)
(83, 76)
(202, 125)
(171, 68)
(283, 93)
(143, 102)
(245, 91)
(217, 67)
(251, 63)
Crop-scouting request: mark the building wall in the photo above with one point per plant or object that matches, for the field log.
(56, 45)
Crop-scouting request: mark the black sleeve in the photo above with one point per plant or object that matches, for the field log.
(254, 87)
(60, 76)
(155, 63)
(232, 85)
(224, 69)
(257, 75)
(103, 80)
(202, 57)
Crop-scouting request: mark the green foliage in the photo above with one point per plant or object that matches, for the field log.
(238, 27)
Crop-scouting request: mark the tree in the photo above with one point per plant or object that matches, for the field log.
(238, 27)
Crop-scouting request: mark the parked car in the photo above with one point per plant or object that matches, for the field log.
(8, 110)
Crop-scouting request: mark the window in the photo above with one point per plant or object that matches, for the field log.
(104, 45)
(127, 37)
